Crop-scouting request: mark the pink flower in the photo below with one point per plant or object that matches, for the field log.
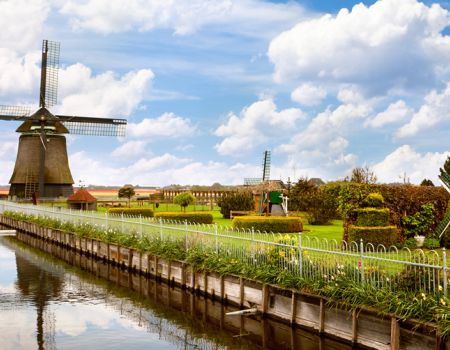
(359, 263)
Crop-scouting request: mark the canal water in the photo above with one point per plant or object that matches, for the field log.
(65, 300)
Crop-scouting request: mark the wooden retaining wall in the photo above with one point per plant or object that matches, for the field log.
(363, 327)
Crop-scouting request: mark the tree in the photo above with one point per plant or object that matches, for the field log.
(235, 200)
(184, 199)
(426, 182)
(447, 165)
(126, 191)
(299, 194)
(363, 175)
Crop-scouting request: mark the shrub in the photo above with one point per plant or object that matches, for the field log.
(419, 223)
(184, 199)
(372, 217)
(236, 200)
(191, 217)
(278, 224)
(373, 200)
(386, 235)
(431, 243)
(145, 212)
(410, 243)
(321, 207)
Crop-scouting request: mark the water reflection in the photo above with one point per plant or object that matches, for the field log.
(105, 307)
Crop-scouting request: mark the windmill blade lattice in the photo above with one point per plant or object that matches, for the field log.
(14, 112)
(49, 73)
(94, 126)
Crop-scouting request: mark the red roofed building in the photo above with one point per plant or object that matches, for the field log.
(82, 200)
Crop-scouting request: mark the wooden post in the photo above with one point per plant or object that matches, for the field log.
(241, 292)
(293, 307)
(265, 298)
(156, 266)
(183, 275)
(205, 283)
(322, 316)
(395, 334)
(169, 271)
(222, 287)
(354, 326)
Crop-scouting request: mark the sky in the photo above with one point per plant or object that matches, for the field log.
(208, 85)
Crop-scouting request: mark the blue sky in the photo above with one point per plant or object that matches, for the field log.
(207, 86)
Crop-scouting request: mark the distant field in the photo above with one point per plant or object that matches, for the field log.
(110, 193)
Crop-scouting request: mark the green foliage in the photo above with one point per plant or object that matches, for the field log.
(431, 243)
(372, 217)
(447, 165)
(184, 199)
(373, 200)
(322, 207)
(278, 224)
(191, 217)
(426, 182)
(300, 193)
(144, 212)
(419, 223)
(363, 175)
(386, 235)
(410, 243)
(126, 191)
(235, 200)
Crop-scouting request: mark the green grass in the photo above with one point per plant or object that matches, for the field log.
(333, 231)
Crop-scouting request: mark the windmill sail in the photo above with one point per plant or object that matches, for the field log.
(49, 73)
(94, 126)
(14, 112)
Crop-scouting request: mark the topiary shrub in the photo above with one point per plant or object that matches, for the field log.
(372, 217)
(191, 217)
(145, 212)
(386, 235)
(373, 200)
(277, 224)
(236, 200)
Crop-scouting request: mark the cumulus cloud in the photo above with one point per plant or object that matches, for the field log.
(395, 112)
(22, 23)
(130, 149)
(308, 94)
(159, 171)
(183, 17)
(377, 47)
(321, 148)
(407, 161)
(255, 125)
(166, 125)
(435, 109)
(102, 95)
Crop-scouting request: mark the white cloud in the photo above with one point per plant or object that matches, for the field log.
(436, 109)
(416, 166)
(395, 112)
(130, 149)
(159, 171)
(255, 125)
(183, 17)
(166, 125)
(379, 47)
(102, 95)
(321, 148)
(308, 94)
(22, 23)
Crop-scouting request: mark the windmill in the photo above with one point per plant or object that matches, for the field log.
(42, 164)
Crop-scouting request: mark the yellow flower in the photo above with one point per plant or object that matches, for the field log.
(424, 297)
(442, 301)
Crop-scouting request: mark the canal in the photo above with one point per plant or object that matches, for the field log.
(59, 299)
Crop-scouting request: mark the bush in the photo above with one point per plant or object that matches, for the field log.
(191, 217)
(386, 235)
(321, 207)
(277, 224)
(236, 200)
(373, 200)
(431, 243)
(410, 243)
(419, 223)
(145, 212)
(184, 199)
(372, 217)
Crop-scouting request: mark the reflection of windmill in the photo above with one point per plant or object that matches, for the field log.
(42, 164)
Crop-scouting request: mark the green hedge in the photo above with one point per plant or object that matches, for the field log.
(145, 212)
(372, 217)
(386, 235)
(191, 217)
(277, 224)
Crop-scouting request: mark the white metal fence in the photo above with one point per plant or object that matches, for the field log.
(323, 260)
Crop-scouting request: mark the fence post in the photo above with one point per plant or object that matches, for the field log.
(140, 225)
(216, 233)
(121, 222)
(444, 267)
(186, 233)
(253, 243)
(361, 254)
(106, 220)
(300, 253)
(160, 229)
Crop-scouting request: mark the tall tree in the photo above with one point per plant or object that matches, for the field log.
(127, 191)
(363, 175)
(426, 182)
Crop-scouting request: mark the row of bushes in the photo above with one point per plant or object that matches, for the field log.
(279, 224)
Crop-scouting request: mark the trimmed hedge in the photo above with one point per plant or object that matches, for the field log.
(373, 200)
(144, 212)
(372, 217)
(387, 235)
(191, 217)
(277, 224)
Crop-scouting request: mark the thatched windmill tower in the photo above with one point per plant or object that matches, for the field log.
(42, 166)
